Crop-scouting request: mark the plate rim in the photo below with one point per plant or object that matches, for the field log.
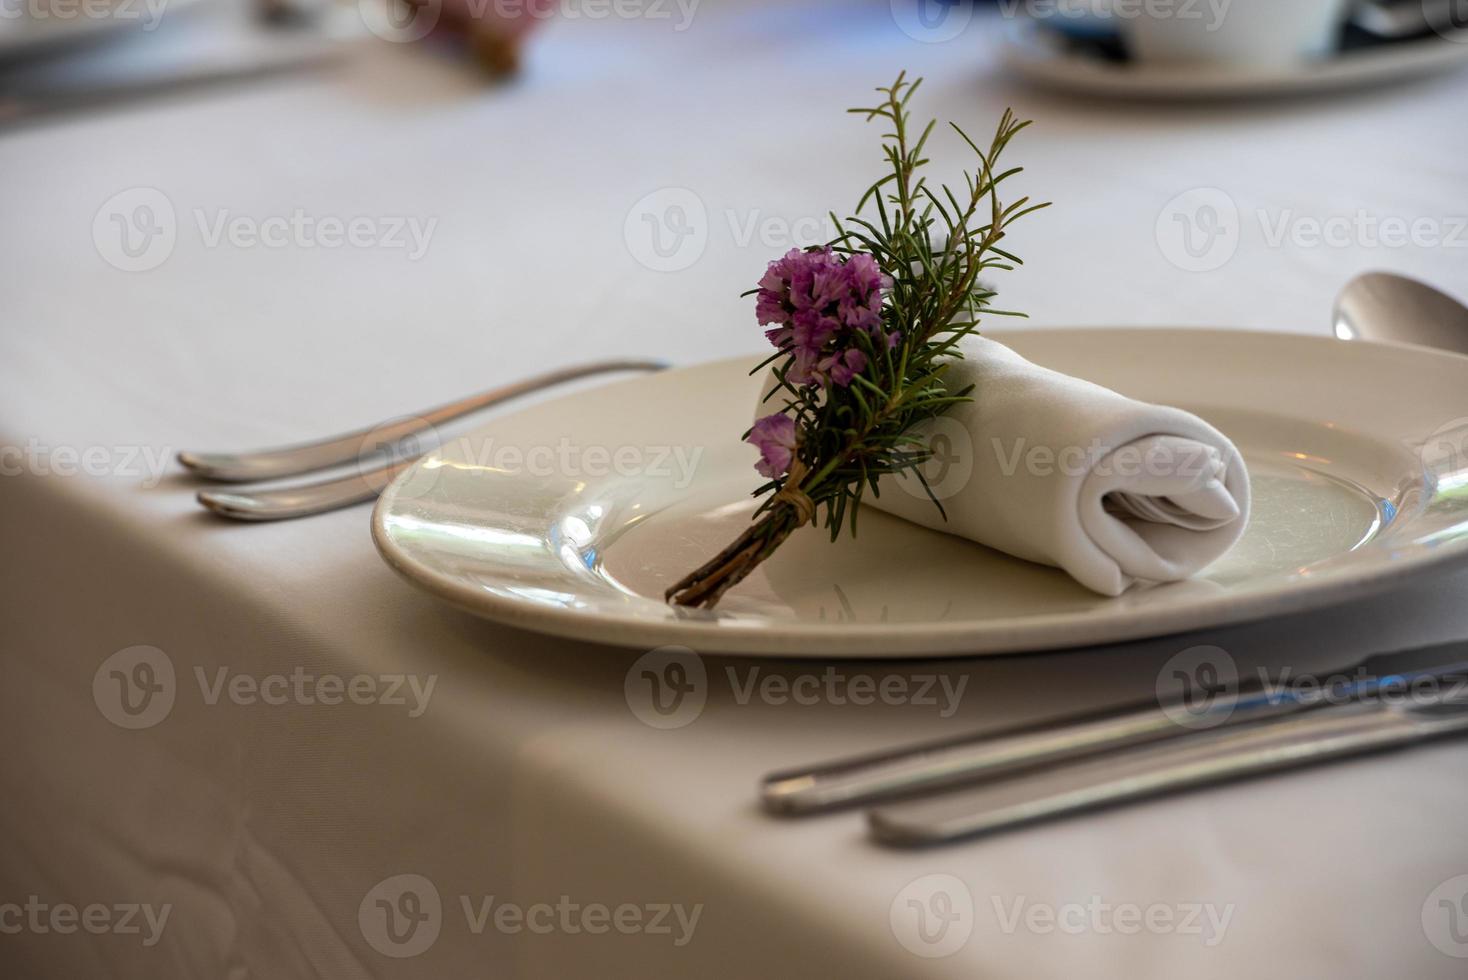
(998, 637)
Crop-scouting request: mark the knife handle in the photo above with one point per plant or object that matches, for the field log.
(985, 755)
(1330, 732)
(988, 755)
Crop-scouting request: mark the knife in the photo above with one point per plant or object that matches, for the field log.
(981, 756)
(1333, 732)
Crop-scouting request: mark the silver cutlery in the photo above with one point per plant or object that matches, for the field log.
(1334, 732)
(934, 766)
(27, 106)
(1150, 746)
(380, 453)
(284, 503)
(1386, 307)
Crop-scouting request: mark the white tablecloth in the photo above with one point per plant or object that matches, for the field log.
(266, 828)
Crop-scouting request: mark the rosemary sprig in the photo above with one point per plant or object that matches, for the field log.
(934, 245)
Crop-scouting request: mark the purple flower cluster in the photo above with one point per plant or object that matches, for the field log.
(774, 437)
(814, 302)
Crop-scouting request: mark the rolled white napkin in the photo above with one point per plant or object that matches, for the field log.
(1060, 471)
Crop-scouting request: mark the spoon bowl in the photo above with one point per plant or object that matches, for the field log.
(1392, 309)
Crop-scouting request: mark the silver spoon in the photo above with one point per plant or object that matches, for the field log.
(365, 447)
(1389, 308)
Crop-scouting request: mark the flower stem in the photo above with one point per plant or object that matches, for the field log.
(706, 585)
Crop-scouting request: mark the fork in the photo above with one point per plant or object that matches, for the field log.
(385, 440)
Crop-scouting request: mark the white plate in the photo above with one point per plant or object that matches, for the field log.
(1036, 53)
(1353, 450)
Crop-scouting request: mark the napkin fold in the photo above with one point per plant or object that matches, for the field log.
(1060, 471)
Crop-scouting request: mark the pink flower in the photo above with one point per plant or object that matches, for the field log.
(842, 366)
(808, 298)
(774, 437)
(813, 302)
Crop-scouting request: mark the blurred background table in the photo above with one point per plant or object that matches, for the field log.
(529, 777)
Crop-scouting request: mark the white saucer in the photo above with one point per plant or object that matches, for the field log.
(1353, 450)
(1041, 55)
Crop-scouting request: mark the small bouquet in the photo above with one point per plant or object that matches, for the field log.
(863, 329)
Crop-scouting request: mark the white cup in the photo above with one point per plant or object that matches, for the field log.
(1234, 33)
